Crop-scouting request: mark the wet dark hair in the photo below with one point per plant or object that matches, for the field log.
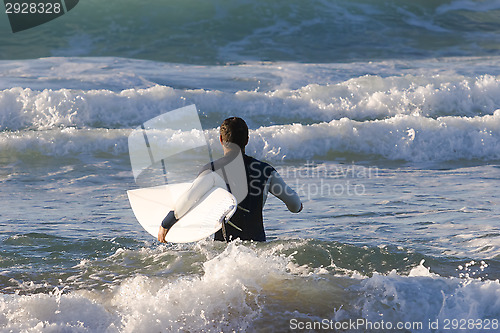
(234, 130)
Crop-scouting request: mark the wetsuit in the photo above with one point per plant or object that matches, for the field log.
(262, 178)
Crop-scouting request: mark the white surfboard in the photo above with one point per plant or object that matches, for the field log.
(152, 204)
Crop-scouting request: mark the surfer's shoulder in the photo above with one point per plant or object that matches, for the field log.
(255, 164)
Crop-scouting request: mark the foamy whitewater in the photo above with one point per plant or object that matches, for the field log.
(389, 132)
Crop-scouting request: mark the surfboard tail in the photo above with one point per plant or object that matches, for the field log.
(151, 205)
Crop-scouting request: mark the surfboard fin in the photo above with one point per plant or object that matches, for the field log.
(233, 225)
(243, 209)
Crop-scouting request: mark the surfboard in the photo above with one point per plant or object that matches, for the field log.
(151, 204)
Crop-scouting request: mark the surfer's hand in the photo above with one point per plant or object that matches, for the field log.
(161, 234)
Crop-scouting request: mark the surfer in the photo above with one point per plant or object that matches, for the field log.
(261, 178)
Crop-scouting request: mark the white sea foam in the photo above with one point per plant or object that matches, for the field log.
(367, 97)
(227, 296)
(404, 137)
(245, 288)
(426, 297)
(69, 142)
(411, 138)
(305, 111)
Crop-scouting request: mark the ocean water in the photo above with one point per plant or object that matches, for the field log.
(383, 116)
(220, 31)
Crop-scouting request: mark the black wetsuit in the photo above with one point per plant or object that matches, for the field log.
(248, 216)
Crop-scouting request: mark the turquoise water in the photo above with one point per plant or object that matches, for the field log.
(221, 32)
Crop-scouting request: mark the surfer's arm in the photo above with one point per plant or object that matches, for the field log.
(201, 185)
(280, 189)
(162, 233)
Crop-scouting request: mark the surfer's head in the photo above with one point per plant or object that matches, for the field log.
(234, 130)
